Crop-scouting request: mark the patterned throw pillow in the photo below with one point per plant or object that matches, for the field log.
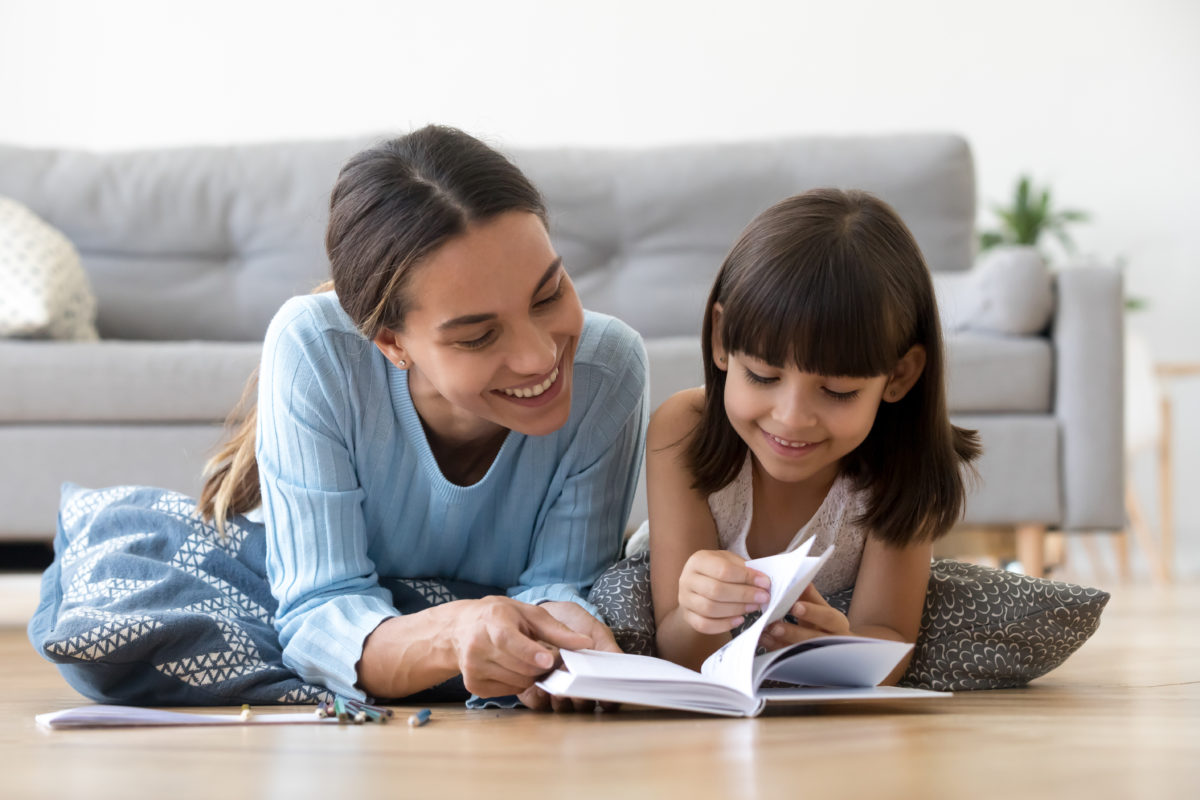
(147, 604)
(981, 628)
(44, 291)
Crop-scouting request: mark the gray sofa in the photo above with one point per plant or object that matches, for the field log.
(190, 252)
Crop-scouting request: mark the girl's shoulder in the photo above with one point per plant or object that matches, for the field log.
(674, 422)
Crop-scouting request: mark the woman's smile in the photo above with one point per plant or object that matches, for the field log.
(537, 392)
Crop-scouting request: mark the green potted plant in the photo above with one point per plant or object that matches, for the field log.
(1031, 215)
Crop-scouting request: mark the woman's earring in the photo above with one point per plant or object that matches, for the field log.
(402, 363)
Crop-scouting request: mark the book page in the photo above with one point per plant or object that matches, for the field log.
(598, 664)
(733, 664)
(832, 661)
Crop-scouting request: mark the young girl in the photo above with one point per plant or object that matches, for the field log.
(823, 415)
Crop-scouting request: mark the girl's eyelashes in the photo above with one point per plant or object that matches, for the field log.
(754, 377)
(763, 380)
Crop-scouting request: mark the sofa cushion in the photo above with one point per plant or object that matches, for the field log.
(987, 373)
(118, 381)
(207, 242)
(643, 232)
(44, 292)
(1020, 471)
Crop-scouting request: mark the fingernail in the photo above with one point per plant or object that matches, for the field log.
(544, 660)
(761, 597)
(798, 610)
(776, 630)
(738, 621)
(763, 581)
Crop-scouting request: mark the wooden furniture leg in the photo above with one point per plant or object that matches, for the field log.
(1121, 546)
(1165, 483)
(1031, 549)
(1141, 532)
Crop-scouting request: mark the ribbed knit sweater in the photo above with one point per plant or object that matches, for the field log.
(351, 490)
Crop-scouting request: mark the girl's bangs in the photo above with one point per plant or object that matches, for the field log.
(826, 321)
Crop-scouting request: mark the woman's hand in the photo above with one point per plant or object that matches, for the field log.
(575, 617)
(717, 590)
(814, 617)
(504, 645)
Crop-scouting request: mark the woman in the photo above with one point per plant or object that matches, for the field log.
(450, 412)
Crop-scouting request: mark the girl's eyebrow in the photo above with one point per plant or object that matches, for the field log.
(475, 319)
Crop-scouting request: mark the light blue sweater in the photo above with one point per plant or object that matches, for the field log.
(352, 492)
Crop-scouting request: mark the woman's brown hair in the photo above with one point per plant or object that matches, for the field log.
(834, 282)
(391, 207)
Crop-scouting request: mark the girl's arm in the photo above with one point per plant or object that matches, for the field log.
(888, 597)
(890, 594)
(684, 548)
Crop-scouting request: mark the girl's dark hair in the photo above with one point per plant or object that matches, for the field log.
(392, 206)
(834, 282)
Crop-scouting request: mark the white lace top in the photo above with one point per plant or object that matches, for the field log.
(732, 508)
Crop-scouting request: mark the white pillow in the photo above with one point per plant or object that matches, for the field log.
(44, 292)
(1014, 292)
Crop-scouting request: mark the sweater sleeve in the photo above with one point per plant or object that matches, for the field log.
(329, 595)
(579, 535)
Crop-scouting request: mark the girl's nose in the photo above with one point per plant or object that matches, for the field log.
(794, 411)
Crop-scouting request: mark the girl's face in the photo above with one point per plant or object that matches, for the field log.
(797, 424)
(490, 339)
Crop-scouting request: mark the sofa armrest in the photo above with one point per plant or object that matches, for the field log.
(1088, 337)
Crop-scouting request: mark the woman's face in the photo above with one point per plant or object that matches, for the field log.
(490, 339)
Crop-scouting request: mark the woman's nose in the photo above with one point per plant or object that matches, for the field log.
(533, 351)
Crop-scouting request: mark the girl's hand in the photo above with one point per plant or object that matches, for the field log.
(503, 645)
(717, 590)
(814, 617)
(575, 617)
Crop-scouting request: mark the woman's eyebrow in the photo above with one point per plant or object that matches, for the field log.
(475, 319)
(548, 274)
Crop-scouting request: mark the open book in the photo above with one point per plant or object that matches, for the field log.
(730, 680)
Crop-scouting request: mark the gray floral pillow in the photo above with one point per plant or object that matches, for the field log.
(982, 628)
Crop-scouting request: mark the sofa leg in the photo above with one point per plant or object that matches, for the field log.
(1031, 549)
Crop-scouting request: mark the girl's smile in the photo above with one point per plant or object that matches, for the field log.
(788, 448)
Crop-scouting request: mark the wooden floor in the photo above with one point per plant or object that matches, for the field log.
(1120, 719)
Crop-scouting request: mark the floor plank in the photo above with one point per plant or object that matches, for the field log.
(1120, 719)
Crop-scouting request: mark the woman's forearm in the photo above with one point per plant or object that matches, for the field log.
(409, 653)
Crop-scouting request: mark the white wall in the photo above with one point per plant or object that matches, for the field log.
(1097, 98)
